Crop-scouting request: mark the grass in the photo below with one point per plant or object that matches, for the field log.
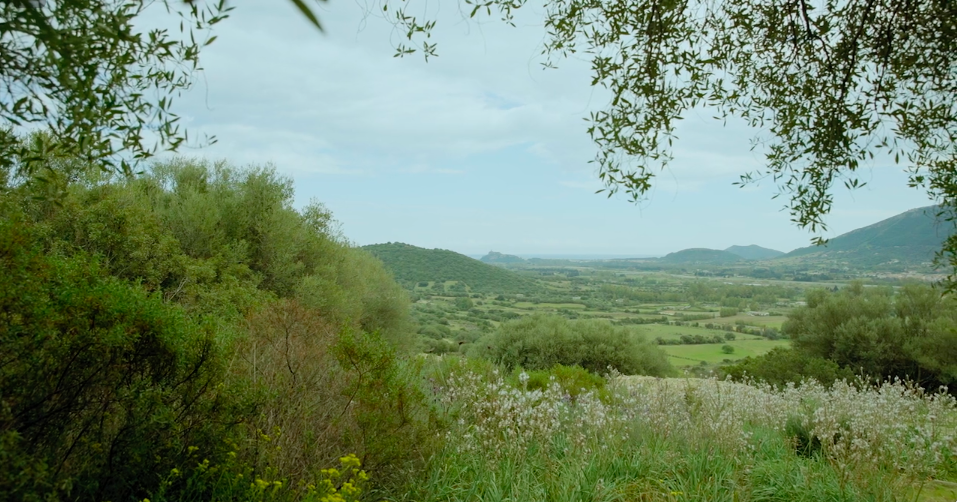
(689, 355)
(765, 321)
(669, 440)
(669, 332)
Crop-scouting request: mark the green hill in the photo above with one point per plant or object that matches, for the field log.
(411, 265)
(910, 237)
(700, 255)
(754, 252)
(496, 258)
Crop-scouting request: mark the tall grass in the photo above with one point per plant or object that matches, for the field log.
(670, 439)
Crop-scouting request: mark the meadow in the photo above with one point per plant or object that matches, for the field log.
(650, 439)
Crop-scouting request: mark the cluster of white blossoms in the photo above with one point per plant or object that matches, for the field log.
(894, 425)
(502, 420)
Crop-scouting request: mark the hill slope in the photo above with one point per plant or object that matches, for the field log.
(701, 255)
(754, 252)
(411, 264)
(912, 237)
(499, 258)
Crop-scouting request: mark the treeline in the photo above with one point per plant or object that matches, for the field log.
(186, 334)
(873, 332)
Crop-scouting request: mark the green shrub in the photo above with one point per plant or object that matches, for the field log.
(540, 342)
(324, 390)
(102, 386)
(572, 379)
(781, 366)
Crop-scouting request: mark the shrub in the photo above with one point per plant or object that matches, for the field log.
(781, 366)
(326, 390)
(101, 384)
(572, 379)
(727, 349)
(539, 342)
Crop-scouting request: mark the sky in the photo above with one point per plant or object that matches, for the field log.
(478, 149)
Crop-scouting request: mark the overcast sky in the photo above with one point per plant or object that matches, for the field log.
(478, 149)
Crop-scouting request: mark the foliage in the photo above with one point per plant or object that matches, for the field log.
(539, 342)
(411, 265)
(910, 335)
(145, 318)
(220, 241)
(102, 385)
(573, 380)
(781, 366)
(89, 74)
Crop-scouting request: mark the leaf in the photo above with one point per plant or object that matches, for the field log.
(306, 11)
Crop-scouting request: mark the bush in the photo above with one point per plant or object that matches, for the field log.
(572, 379)
(102, 386)
(781, 366)
(324, 391)
(727, 349)
(539, 342)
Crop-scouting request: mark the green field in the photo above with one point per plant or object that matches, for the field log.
(669, 332)
(690, 355)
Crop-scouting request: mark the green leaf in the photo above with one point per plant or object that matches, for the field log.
(306, 11)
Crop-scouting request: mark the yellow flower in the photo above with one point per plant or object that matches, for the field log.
(350, 460)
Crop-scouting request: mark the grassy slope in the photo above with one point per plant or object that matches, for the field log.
(754, 252)
(689, 355)
(912, 236)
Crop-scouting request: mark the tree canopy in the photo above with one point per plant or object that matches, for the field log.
(830, 86)
(89, 74)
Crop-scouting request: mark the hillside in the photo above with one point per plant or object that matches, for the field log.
(496, 258)
(410, 265)
(754, 252)
(701, 255)
(910, 237)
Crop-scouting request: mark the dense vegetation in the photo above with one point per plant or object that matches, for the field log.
(189, 313)
(701, 255)
(541, 342)
(187, 334)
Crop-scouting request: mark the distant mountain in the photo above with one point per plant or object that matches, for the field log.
(501, 259)
(911, 237)
(410, 265)
(701, 256)
(754, 252)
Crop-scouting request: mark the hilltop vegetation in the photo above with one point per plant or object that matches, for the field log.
(700, 256)
(412, 265)
(754, 252)
(499, 258)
